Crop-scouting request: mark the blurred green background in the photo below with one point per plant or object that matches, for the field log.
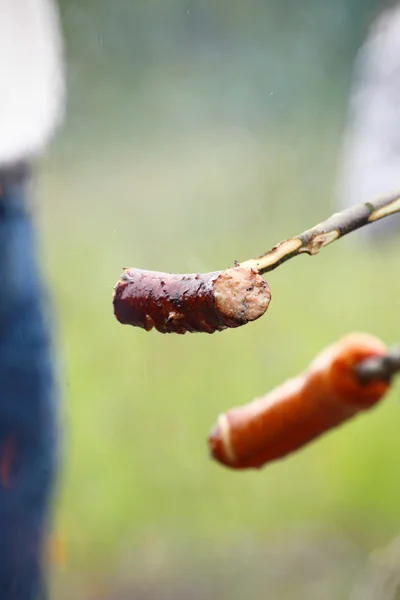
(199, 132)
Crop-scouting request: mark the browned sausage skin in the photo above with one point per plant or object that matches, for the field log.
(190, 303)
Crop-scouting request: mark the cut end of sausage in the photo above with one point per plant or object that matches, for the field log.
(215, 444)
(241, 294)
(220, 444)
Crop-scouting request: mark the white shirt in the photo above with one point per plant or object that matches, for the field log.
(31, 77)
(371, 162)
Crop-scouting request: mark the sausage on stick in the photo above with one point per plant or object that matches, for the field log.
(300, 410)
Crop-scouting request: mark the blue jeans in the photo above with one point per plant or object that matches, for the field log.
(28, 403)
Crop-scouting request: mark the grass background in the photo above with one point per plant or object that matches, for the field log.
(163, 172)
(138, 406)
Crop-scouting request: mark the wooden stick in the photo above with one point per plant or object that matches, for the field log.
(313, 240)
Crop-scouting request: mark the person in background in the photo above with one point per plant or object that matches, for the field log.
(370, 164)
(31, 109)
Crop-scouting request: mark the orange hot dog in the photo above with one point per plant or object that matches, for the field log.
(300, 410)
